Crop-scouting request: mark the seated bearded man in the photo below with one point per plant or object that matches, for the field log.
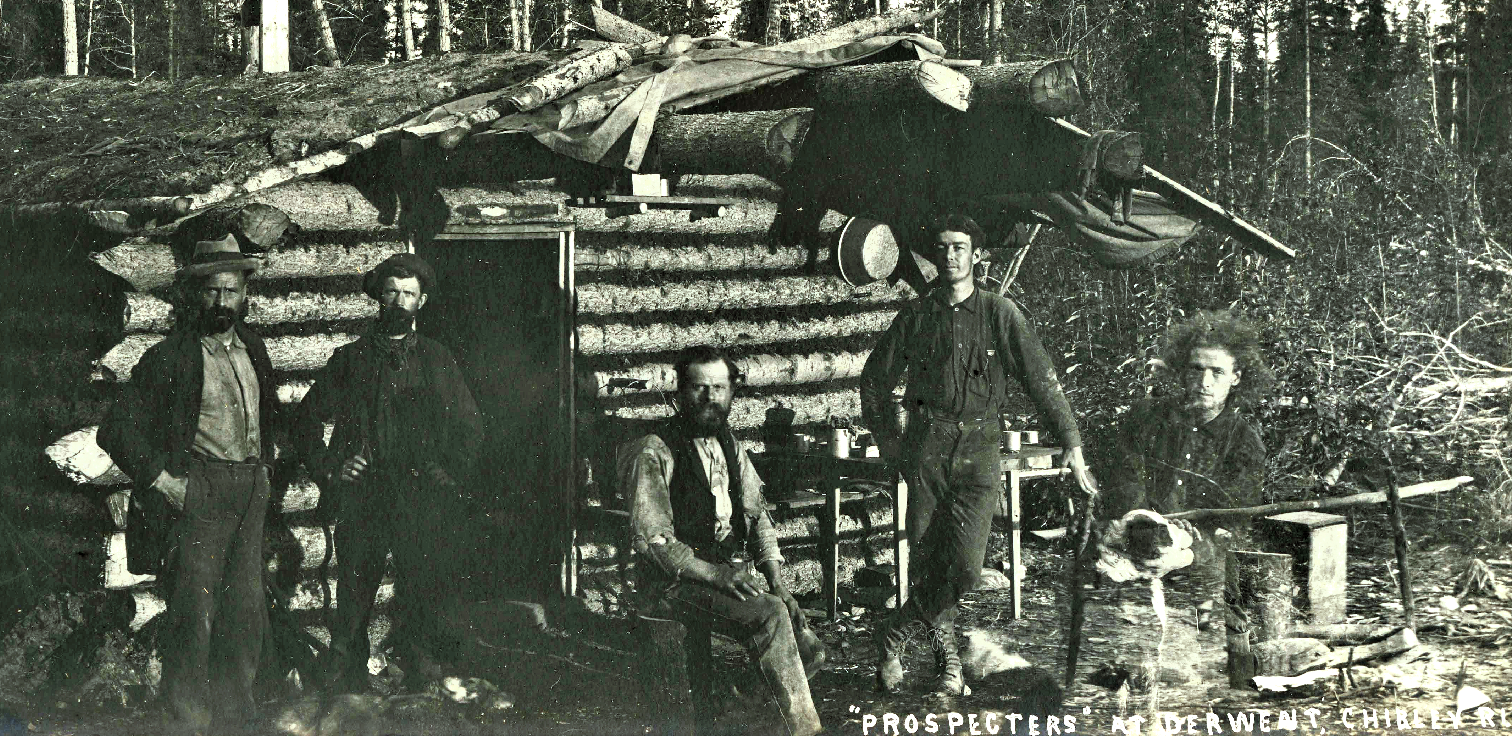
(699, 525)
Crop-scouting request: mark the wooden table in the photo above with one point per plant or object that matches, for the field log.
(1015, 474)
(833, 470)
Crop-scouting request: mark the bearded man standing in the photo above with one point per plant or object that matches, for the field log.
(191, 428)
(407, 431)
(698, 518)
(957, 346)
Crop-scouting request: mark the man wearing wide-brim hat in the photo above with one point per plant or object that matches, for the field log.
(191, 427)
(407, 432)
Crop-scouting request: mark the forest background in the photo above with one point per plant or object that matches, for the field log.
(1374, 138)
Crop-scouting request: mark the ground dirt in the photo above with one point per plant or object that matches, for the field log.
(1120, 627)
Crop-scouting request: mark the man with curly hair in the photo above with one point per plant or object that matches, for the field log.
(1195, 449)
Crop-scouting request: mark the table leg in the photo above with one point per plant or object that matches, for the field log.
(900, 536)
(830, 542)
(1015, 553)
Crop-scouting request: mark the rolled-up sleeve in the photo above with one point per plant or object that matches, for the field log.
(644, 467)
(763, 539)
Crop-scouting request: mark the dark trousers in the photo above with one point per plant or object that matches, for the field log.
(953, 490)
(761, 625)
(217, 615)
(401, 517)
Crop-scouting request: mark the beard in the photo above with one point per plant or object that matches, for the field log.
(707, 419)
(394, 320)
(215, 320)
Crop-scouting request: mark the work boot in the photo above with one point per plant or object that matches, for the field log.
(890, 637)
(948, 677)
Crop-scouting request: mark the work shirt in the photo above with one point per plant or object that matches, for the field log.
(956, 359)
(717, 471)
(645, 466)
(228, 421)
(1169, 463)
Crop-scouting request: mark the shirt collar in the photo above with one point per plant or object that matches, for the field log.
(941, 297)
(214, 341)
(1177, 415)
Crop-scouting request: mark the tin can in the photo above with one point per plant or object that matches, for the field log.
(840, 442)
(1015, 441)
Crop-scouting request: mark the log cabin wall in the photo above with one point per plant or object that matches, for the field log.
(648, 286)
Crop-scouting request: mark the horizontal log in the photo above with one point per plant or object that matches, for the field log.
(1471, 385)
(1340, 633)
(691, 258)
(1051, 88)
(1397, 643)
(147, 313)
(1321, 504)
(289, 353)
(713, 295)
(78, 456)
(760, 370)
(619, 339)
(885, 86)
(750, 412)
(762, 142)
(148, 265)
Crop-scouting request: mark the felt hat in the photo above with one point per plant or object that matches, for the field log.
(409, 261)
(218, 256)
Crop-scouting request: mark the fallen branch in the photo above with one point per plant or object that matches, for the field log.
(1319, 504)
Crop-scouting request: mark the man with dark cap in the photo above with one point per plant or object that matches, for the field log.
(406, 433)
(192, 430)
(958, 346)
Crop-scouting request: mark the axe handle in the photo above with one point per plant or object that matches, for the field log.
(1083, 524)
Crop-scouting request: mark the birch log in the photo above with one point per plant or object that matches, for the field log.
(327, 39)
(147, 313)
(1051, 88)
(572, 74)
(624, 339)
(714, 295)
(148, 265)
(749, 412)
(288, 353)
(731, 143)
(619, 30)
(760, 370)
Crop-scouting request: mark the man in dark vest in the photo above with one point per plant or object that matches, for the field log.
(698, 521)
(192, 430)
(958, 346)
(406, 436)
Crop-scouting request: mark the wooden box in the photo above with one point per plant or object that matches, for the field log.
(1319, 546)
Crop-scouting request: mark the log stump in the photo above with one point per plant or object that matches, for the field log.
(1258, 595)
(665, 674)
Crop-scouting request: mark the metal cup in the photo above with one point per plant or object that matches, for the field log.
(1015, 441)
(840, 442)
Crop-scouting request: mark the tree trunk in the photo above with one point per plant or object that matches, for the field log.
(1213, 120)
(1259, 601)
(1265, 98)
(860, 29)
(527, 39)
(515, 26)
(89, 9)
(327, 39)
(443, 26)
(730, 143)
(773, 35)
(170, 8)
(995, 38)
(566, 23)
(275, 36)
(1307, 91)
(251, 49)
(70, 40)
(1229, 156)
(407, 19)
(569, 75)
(1052, 88)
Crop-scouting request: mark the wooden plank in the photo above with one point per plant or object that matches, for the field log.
(1207, 210)
(1337, 502)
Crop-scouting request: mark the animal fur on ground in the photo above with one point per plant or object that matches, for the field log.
(993, 670)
